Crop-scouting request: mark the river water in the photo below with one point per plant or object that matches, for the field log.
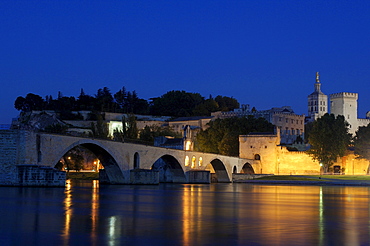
(86, 213)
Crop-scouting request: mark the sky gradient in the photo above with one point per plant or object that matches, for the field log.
(263, 53)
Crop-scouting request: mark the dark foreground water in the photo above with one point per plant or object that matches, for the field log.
(173, 214)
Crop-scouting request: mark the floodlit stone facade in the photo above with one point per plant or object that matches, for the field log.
(275, 159)
(345, 103)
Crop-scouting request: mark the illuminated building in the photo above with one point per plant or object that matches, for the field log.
(317, 102)
(290, 125)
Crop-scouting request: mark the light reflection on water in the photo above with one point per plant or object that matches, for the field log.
(175, 214)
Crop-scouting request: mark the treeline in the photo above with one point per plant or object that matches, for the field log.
(172, 103)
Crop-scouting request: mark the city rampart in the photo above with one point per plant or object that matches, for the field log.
(276, 159)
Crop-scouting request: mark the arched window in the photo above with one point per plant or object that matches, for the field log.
(193, 159)
(257, 157)
(136, 161)
(200, 161)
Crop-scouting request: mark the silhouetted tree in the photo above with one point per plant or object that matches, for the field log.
(104, 99)
(29, 103)
(361, 142)
(227, 103)
(222, 135)
(329, 139)
(176, 103)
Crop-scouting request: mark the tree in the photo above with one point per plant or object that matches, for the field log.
(227, 103)
(206, 108)
(100, 128)
(86, 102)
(176, 103)
(31, 102)
(329, 139)
(121, 97)
(150, 132)
(74, 159)
(361, 142)
(104, 100)
(222, 135)
(129, 127)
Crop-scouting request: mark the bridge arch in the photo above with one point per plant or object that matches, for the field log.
(220, 173)
(170, 170)
(107, 160)
(247, 169)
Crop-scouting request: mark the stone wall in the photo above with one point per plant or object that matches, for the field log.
(33, 175)
(17, 148)
(9, 141)
(275, 159)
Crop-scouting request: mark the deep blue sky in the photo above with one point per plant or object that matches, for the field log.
(263, 53)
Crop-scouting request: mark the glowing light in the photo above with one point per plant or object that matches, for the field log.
(200, 161)
(187, 145)
(187, 161)
(193, 159)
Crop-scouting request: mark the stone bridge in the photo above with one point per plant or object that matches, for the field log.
(119, 158)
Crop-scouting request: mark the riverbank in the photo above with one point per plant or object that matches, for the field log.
(83, 175)
(352, 180)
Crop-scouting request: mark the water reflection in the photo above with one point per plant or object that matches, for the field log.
(170, 214)
(67, 212)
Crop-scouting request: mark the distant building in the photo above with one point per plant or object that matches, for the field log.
(189, 127)
(317, 102)
(343, 103)
(290, 125)
(169, 142)
(179, 124)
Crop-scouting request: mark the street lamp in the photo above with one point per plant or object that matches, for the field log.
(320, 169)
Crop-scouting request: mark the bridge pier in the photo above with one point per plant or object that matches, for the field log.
(134, 176)
(198, 177)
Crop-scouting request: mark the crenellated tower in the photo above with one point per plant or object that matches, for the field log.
(345, 103)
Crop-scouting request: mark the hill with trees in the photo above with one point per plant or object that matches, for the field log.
(173, 103)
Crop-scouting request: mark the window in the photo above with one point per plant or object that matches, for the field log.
(257, 157)
(193, 159)
(286, 120)
(279, 118)
(200, 161)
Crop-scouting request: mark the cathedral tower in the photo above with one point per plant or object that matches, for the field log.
(317, 101)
